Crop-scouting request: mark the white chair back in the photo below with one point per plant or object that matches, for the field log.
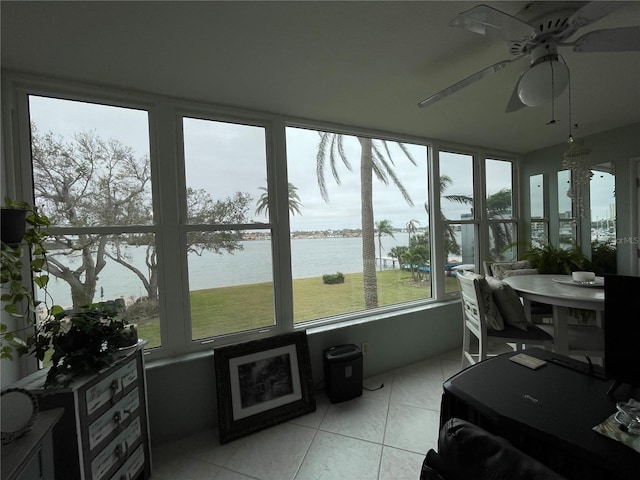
(475, 325)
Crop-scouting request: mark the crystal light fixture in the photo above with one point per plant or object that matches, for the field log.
(576, 159)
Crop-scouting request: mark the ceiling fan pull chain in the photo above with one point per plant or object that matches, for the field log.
(571, 126)
(553, 96)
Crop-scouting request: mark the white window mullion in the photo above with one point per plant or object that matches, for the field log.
(278, 183)
(438, 226)
(171, 253)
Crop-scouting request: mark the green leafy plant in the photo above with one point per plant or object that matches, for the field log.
(82, 342)
(603, 258)
(17, 296)
(550, 259)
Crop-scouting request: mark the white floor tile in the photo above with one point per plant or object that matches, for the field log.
(224, 474)
(314, 419)
(399, 464)
(333, 457)
(272, 454)
(206, 446)
(360, 418)
(184, 468)
(450, 367)
(417, 391)
(412, 428)
(378, 387)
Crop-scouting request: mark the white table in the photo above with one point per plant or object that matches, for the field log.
(544, 289)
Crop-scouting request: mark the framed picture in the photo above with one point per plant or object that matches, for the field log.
(262, 383)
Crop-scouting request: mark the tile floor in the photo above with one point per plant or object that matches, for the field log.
(382, 435)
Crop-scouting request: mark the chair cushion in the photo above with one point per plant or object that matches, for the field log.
(498, 269)
(519, 271)
(492, 315)
(532, 332)
(508, 303)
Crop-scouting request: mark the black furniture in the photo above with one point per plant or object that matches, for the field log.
(622, 328)
(466, 451)
(547, 413)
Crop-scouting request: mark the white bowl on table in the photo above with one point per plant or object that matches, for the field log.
(583, 277)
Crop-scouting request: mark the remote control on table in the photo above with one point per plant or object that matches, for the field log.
(528, 361)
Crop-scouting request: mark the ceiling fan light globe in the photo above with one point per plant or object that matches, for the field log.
(543, 82)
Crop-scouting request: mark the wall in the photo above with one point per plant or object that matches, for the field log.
(618, 146)
(182, 394)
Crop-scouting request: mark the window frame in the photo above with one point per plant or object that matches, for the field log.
(165, 151)
(514, 219)
(272, 225)
(361, 315)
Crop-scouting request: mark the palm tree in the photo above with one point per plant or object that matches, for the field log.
(499, 206)
(398, 252)
(451, 244)
(294, 201)
(383, 227)
(412, 228)
(375, 158)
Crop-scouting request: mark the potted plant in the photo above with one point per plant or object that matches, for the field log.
(13, 223)
(82, 342)
(603, 258)
(550, 259)
(17, 296)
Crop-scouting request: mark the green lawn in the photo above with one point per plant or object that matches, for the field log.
(225, 310)
(220, 311)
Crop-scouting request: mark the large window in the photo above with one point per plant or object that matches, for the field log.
(209, 224)
(229, 257)
(538, 211)
(359, 228)
(458, 214)
(603, 205)
(500, 209)
(567, 223)
(92, 178)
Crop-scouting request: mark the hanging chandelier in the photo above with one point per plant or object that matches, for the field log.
(576, 160)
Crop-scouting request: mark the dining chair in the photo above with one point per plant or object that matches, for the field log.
(537, 312)
(479, 321)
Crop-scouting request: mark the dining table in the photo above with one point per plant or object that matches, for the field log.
(562, 293)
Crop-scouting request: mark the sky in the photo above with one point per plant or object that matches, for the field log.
(224, 158)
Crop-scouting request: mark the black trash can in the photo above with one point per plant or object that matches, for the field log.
(343, 372)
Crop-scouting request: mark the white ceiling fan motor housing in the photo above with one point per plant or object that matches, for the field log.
(546, 78)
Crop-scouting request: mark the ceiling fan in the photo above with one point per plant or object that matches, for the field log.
(547, 76)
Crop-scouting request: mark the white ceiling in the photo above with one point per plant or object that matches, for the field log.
(365, 64)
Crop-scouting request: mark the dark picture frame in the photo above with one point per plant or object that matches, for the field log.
(262, 383)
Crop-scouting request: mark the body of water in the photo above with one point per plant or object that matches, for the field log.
(312, 257)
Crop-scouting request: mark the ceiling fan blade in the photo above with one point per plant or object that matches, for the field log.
(494, 24)
(591, 12)
(466, 82)
(514, 102)
(623, 39)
